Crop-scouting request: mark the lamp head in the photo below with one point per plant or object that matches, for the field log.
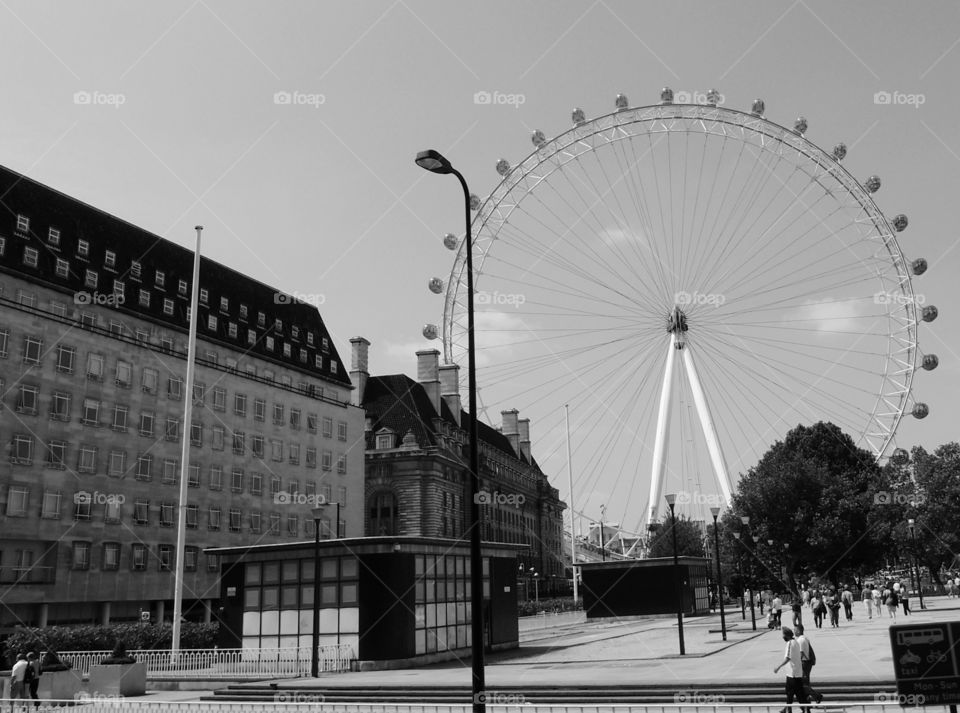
(715, 511)
(736, 534)
(671, 499)
(318, 512)
(770, 542)
(745, 519)
(433, 161)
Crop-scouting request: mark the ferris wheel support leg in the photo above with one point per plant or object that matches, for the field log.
(709, 429)
(663, 428)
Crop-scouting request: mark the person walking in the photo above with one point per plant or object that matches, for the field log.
(867, 598)
(816, 604)
(792, 658)
(808, 659)
(776, 606)
(31, 678)
(797, 614)
(876, 600)
(892, 603)
(17, 674)
(847, 599)
(905, 600)
(833, 604)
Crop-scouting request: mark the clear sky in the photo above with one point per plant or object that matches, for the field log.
(168, 115)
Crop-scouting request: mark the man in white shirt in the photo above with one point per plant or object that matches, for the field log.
(776, 606)
(807, 661)
(792, 657)
(17, 673)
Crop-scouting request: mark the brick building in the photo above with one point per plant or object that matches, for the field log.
(417, 455)
(93, 338)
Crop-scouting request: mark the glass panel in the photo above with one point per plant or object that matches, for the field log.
(348, 593)
(290, 572)
(306, 570)
(328, 594)
(430, 589)
(421, 639)
(328, 568)
(306, 595)
(289, 597)
(421, 591)
(271, 597)
(431, 615)
(252, 574)
(251, 599)
(348, 568)
(271, 573)
(418, 565)
(420, 616)
(451, 590)
(441, 615)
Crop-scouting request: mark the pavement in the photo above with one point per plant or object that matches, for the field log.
(572, 651)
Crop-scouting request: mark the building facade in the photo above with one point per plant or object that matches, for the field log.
(417, 465)
(93, 339)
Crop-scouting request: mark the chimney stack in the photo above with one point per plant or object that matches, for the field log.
(358, 368)
(450, 388)
(428, 374)
(510, 429)
(524, 424)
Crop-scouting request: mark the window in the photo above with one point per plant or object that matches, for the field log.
(204, 295)
(144, 466)
(27, 299)
(23, 224)
(251, 336)
(192, 517)
(149, 380)
(83, 248)
(58, 308)
(310, 339)
(3, 246)
(111, 510)
(190, 556)
(143, 297)
(172, 431)
(141, 512)
(240, 404)
(51, 505)
(224, 304)
(311, 457)
(213, 563)
(236, 481)
(217, 438)
(333, 366)
(257, 445)
(146, 423)
(56, 454)
(199, 388)
(384, 441)
(193, 476)
(175, 387)
(90, 278)
(87, 460)
(166, 344)
(232, 330)
(327, 427)
(169, 472)
(292, 524)
(276, 449)
(27, 401)
(21, 450)
(124, 373)
(341, 463)
(219, 399)
(53, 237)
(255, 522)
(95, 367)
(196, 434)
(212, 323)
(168, 306)
(259, 409)
(312, 422)
(278, 414)
(165, 557)
(30, 256)
(295, 453)
(166, 514)
(118, 463)
(138, 557)
(119, 290)
(295, 418)
(32, 349)
(81, 505)
(120, 417)
(4, 336)
(81, 555)
(256, 484)
(111, 555)
(65, 358)
(160, 279)
(213, 518)
(17, 500)
(274, 485)
(116, 328)
(110, 259)
(286, 349)
(326, 461)
(270, 343)
(91, 412)
(239, 443)
(216, 477)
(182, 287)
(135, 269)
(236, 519)
(341, 431)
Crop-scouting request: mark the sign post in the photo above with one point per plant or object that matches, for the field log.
(925, 663)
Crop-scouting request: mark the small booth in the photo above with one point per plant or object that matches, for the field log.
(648, 586)
(394, 600)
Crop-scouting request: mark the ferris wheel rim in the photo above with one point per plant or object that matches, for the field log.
(890, 404)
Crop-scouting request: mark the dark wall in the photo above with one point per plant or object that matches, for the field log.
(502, 611)
(387, 597)
(231, 599)
(633, 591)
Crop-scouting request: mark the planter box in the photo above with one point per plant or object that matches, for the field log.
(118, 680)
(59, 685)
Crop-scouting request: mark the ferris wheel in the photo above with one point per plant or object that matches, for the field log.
(694, 281)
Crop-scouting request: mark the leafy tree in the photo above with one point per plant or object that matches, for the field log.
(689, 538)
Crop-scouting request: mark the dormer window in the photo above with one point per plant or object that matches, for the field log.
(385, 439)
(224, 304)
(182, 287)
(135, 270)
(63, 268)
(160, 279)
(91, 279)
(295, 331)
(204, 295)
(53, 237)
(83, 248)
(212, 323)
(23, 224)
(286, 349)
(30, 256)
(261, 319)
(310, 339)
(144, 298)
(110, 259)
(243, 312)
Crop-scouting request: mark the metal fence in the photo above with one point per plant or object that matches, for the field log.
(224, 663)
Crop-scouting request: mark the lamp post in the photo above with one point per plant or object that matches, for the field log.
(536, 588)
(315, 648)
(789, 580)
(435, 162)
(743, 588)
(671, 500)
(603, 552)
(715, 511)
(745, 519)
(913, 540)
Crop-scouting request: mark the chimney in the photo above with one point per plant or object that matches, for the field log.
(524, 424)
(510, 429)
(450, 388)
(358, 368)
(428, 374)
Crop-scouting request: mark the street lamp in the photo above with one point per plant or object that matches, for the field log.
(913, 540)
(315, 652)
(671, 500)
(435, 162)
(603, 552)
(743, 589)
(715, 511)
(745, 519)
(536, 588)
(789, 580)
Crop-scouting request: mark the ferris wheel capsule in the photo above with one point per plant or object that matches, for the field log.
(919, 266)
(713, 97)
(538, 138)
(430, 331)
(872, 184)
(622, 102)
(666, 95)
(450, 241)
(758, 107)
(900, 456)
(474, 201)
(503, 167)
(800, 126)
(930, 313)
(899, 222)
(920, 410)
(435, 285)
(579, 116)
(840, 151)
(930, 361)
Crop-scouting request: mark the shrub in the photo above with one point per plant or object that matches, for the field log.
(555, 604)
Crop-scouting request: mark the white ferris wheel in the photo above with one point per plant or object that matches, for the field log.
(694, 281)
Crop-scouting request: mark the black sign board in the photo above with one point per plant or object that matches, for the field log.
(925, 662)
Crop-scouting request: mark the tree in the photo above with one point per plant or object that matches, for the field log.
(689, 538)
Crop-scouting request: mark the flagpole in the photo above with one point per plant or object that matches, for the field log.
(185, 456)
(573, 533)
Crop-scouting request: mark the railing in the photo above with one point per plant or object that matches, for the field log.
(27, 575)
(223, 663)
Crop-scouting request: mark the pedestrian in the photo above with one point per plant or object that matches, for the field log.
(17, 674)
(31, 677)
(892, 604)
(816, 604)
(760, 600)
(867, 597)
(847, 598)
(905, 600)
(797, 614)
(833, 604)
(776, 606)
(876, 600)
(793, 659)
(808, 659)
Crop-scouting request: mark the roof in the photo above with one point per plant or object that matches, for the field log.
(58, 224)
